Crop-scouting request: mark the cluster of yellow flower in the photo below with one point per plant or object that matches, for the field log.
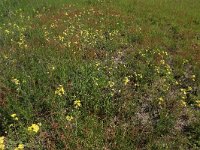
(15, 81)
(34, 128)
(69, 118)
(138, 75)
(22, 41)
(160, 101)
(162, 62)
(198, 103)
(126, 80)
(2, 145)
(193, 77)
(183, 103)
(184, 92)
(60, 90)
(77, 103)
(19, 147)
(168, 69)
(111, 84)
(14, 116)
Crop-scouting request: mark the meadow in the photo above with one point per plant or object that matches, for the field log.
(99, 74)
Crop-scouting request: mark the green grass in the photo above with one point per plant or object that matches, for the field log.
(134, 66)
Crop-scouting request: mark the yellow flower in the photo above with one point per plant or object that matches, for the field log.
(15, 81)
(183, 103)
(198, 103)
(126, 80)
(184, 91)
(7, 31)
(1, 139)
(77, 103)
(161, 100)
(14, 116)
(61, 38)
(60, 90)
(111, 84)
(162, 62)
(193, 77)
(69, 118)
(34, 128)
(189, 88)
(11, 125)
(20, 147)
(2, 145)
(97, 64)
(183, 97)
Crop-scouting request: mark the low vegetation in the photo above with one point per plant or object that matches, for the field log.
(99, 74)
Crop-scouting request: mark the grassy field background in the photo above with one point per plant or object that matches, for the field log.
(99, 74)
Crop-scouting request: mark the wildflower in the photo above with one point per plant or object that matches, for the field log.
(168, 72)
(183, 103)
(33, 128)
(184, 91)
(11, 125)
(189, 88)
(97, 64)
(126, 80)
(183, 97)
(7, 31)
(162, 62)
(111, 84)
(157, 70)
(161, 100)
(77, 103)
(198, 103)
(52, 25)
(140, 76)
(112, 93)
(19, 147)
(193, 77)
(1, 139)
(15, 81)
(60, 90)
(69, 118)
(2, 145)
(95, 82)
(61, 38)
(14, 116)
(52, 67)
